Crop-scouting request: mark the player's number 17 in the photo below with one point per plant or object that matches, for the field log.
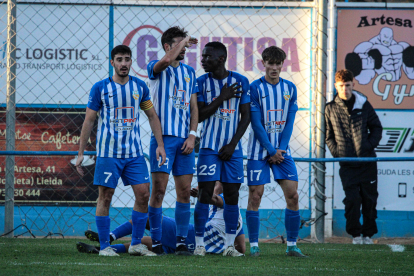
(252, 172)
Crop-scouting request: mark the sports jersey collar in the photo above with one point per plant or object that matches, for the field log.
(176, 68)
(230, 74)
(263, 79)
(111, 80)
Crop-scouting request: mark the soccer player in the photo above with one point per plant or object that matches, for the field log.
(273, 109)
(118, 99)
(225, 115)
(214, 235)
(173, 88)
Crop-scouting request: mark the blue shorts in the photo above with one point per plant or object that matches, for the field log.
(258, 171)
(132, 170)
(211, 168)
(169, 238)
(179, 163)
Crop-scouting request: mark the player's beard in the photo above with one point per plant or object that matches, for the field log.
(180, 56)
(118, 72)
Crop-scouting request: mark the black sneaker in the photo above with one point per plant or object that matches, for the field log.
(159, 250)
(93, 236)
(87, 248)
(182, 250)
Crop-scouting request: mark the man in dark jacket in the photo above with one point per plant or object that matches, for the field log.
(353, 129)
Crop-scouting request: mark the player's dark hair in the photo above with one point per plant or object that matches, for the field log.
(169, 35)
(273, 54)
(344, 75)
(218, 46)
(120, 49)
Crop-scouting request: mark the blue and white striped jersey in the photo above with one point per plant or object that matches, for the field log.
(118, 106)
(215, 231)
(219, 129)
(171, 91)
(273, 102)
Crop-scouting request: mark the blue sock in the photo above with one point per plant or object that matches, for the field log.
(231, 218)
(182, 220)
(155, 217)
(103, 223)
(123, 230)
(253, 224)
(200, 218)
(139, 220)
(120, 248)
(292, 223)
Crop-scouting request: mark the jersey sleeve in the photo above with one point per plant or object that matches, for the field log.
(290, 120)
(245, 97)
(195, 84)
(146, 102)
(95, 102)
(200, 96)
(254, 99)
(150, 70)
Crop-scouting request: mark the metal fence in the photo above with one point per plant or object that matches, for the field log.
(62, 48)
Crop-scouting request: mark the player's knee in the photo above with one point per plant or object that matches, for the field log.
(232, 197)
(255, 199)
(183, 192)
(293, 199)
(143, 197)
(204, 196)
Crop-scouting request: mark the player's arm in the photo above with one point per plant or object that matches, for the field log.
(189, 143)
(227, 151)
(87, 127)
(226, 93)
(330, 134)
(374, 126)
(155, 125)
(171, 55)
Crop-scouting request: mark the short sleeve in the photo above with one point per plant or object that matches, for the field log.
(254, 99)
(145, 93)
(95, 102)
(150, 70)
(293, 105)
(245, 97)
(200, 95)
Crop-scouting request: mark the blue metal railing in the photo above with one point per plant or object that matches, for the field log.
(297, 159)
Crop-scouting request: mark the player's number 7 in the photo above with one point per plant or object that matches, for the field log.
(109, 175)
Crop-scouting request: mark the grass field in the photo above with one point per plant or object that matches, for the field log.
(59, 257)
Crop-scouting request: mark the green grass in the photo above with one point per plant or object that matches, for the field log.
(59, 257)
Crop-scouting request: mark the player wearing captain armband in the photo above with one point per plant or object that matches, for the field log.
(117, 101)
(224, 108)
(173, 90)
(214, 234)
(273, 108)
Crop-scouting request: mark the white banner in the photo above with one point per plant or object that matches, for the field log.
(62, 51)
(395, 179)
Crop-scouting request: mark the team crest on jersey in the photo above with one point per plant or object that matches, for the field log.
(135, 95)
(286, 95)
(187, 78)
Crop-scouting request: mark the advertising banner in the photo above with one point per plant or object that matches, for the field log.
(378, 47)
(49, 179)
(395, 179)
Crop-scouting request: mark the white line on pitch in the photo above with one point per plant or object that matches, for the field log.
(396, 247)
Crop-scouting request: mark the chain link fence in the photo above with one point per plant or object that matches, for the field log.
(63, 48)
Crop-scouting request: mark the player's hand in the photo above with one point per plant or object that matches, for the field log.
(78, 165)
(228, 92)
(194, 192)
(160, 153)
(226, 152)
(277, 158)
(188, 145)
(191, 41)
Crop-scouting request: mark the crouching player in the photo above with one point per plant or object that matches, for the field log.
(272, 111)
(214, 234)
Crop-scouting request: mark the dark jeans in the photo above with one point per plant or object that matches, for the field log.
(360, 185)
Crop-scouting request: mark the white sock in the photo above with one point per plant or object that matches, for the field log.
(199, 241)
(290, 243)
(230, 239)
(113, 235)
(252, 244)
